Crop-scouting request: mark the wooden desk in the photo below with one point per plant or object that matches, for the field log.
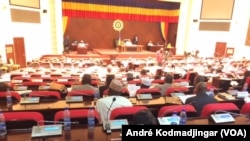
(236, 101)
(61, 104)
(80, 133)
(155, 48)
(76, 134)
(82, 50)
(125, 48)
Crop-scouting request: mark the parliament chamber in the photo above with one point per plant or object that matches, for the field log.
(41, 88)
(52, 78)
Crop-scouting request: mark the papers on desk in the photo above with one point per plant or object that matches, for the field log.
(247, 99)
(183, 98)
(242, 94)
(132, 88)
(177, 94)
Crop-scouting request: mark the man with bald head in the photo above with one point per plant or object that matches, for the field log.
(201, 98)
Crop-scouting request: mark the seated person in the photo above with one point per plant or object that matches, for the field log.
(144, 117)
(114, 99)
(4, 86)
(168, 80)
(150, 43)
(109, 78)
(145, 82)
(86, 84)
(201, 98)
(82, 44)
(197, 79)
(128, 42)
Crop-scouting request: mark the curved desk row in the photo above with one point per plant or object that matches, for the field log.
(81, 133)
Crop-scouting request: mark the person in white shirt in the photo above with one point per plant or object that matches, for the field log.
(114, 99)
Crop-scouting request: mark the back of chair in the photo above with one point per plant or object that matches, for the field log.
(158, 81)
(23, 120)
(125, 92)
(46, 95)
(33, 85)
(126, 112)
(168, 110)
(15, 96)
(245, 109)
(153, 91)
(135, 81)
(218, 108)
(176, 89)
(77, 115)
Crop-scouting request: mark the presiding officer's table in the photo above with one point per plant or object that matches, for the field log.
(125, 48)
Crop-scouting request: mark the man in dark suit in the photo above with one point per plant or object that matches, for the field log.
(201, 98)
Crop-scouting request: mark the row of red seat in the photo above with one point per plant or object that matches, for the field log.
(127, 112)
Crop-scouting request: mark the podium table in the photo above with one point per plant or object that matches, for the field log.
(82, 50)
(125, 48)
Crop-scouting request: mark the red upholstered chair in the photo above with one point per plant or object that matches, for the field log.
(95, 83)
(125, 112)
(218, 107)
(154, 91)
(46, 95)
(23, 120)
(77, 115)
(15, 97)
(158, 81)
(176, 89)
(33, 85)
(125, 92)
(135, 81)
(168, 110)
(245, 109)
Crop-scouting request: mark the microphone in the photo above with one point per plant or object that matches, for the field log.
(107, 124)
(222, 116)
(232, 113)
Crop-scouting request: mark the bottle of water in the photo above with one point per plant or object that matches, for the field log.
(3, 130)
(9, 99)
(174, 119)
(91, 123)
(96, 95)
(183, 117)
(66, 118)
(91, 118)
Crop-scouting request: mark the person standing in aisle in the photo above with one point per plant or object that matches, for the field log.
(160, 56)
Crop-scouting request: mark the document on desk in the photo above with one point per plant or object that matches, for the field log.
(183, 98)
(132, 88)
